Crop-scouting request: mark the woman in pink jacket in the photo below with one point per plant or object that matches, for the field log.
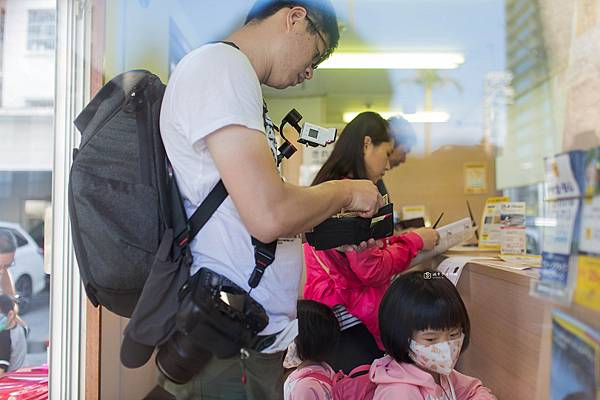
(424, 328)
(352, 281)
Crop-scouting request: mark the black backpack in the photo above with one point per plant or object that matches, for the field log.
(130, 230)
(123, 197)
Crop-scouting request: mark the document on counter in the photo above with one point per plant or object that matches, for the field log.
(527, 260)
(509, 265)
(452, 267)
(450, 235)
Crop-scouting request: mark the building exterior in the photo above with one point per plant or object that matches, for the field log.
(27, 72)
(531, 123)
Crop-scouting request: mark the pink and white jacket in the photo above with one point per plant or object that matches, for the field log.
(358, 279)
(300, 385)
(408, 382)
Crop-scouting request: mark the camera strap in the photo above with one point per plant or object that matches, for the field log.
(264, 253)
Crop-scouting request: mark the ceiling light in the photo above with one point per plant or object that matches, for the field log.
(418, 117)
(393, 61)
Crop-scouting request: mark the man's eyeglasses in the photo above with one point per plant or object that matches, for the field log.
(4, 266)
(320, 57)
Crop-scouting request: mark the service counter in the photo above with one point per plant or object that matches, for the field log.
(506, 330)
(510, 349)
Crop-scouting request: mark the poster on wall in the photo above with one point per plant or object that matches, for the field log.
(411, 212)
(575, 359)
(312, 160)
(475, 178)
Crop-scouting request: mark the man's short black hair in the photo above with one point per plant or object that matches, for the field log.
(8, 242)
(402, 132)
(417, 301)
(7, 304)
(318, 331)
(321, 12)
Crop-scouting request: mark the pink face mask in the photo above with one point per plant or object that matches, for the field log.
(439, 357)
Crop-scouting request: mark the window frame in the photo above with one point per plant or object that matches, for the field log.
(41, 35)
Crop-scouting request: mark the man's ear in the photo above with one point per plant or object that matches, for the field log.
(294, 16)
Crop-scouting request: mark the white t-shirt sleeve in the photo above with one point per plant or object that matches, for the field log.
(215, 87)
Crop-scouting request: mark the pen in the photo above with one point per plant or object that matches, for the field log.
(472, 220)
(438, 221)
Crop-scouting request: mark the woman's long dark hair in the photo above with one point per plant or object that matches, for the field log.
(347, 158)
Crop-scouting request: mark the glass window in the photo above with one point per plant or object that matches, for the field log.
(27, 45)
(525, 89)
(41, 30)
(41, 103)
(21, 241)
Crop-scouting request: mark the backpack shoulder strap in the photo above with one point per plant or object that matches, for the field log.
(318, 376)
(360, 370)
(84, 118)
(264, 253)
(207, 208)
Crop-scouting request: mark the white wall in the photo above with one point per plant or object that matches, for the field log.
(26, 74)
(26, 134)
(26, 140)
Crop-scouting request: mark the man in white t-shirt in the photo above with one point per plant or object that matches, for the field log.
(213, 127)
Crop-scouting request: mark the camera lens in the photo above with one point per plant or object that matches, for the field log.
(180, 359)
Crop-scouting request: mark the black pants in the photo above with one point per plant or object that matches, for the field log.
(356, 347)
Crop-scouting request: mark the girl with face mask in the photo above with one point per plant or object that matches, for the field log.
(424, 327)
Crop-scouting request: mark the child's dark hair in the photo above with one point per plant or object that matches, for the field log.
(7, 304)
(318, 331)
(416, 301)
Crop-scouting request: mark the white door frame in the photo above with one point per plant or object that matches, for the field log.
(67, 298)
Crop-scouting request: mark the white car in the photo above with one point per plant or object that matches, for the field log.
(28, 272)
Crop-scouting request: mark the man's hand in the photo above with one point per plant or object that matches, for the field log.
(269, 207)
(362, 246)
(429, 236)
(365, 199)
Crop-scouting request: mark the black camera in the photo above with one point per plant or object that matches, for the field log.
(215, 317)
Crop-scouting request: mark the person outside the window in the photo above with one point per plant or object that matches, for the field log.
(8, 247)
(13, 337)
